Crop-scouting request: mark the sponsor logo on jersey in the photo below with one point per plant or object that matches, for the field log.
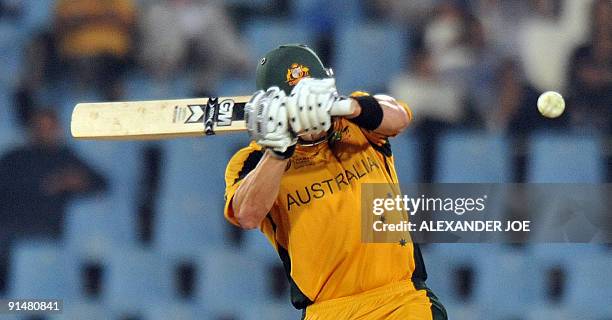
(300, 162)
(296, 72)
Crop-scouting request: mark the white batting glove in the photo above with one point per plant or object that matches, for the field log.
(309, 105)
(267, 122)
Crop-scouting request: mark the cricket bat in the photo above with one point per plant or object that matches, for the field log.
(165, 119)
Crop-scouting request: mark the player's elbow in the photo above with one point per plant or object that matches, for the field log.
(248, 208)
(402, 120)
(395, 117)
(247, 222)
(395, 122)
(249, 218)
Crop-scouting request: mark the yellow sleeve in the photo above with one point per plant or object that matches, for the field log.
(243, 162)
(407, 108)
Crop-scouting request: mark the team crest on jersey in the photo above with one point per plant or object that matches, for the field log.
(296, 72)
(340, 134)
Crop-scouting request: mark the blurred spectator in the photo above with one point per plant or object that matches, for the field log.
(321, 17)
(37, 181)
(41, 71)
(457, 40)
(437, 104)
(198, 35)
(546, 39)
(462, 54)
(430, 96)
(478, 74)
(515, 105)
(410, 13)
(23, 103)
(501, 20)
(547, 9)
(95, 39)
(590, 74)
(11, 9)
(515, 112)
(443, 33)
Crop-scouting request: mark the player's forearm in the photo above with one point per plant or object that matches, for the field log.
(394, 117)
(257, 193)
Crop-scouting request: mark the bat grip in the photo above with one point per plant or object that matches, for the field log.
(342, 107)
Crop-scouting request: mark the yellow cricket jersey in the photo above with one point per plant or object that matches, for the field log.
(315, 222)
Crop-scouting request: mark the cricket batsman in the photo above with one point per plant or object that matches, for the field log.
(299, 181)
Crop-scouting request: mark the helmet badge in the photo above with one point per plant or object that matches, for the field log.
(296, 72)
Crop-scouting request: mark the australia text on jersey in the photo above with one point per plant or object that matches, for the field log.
(320, 189)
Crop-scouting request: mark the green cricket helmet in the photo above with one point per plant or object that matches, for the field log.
(286, 65)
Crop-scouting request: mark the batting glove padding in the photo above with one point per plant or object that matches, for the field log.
(309, 105)
(267, 121)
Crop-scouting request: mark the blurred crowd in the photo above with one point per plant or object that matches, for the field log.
(473, 64)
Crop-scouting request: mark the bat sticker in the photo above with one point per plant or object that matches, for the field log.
(226, 110)
(197, 113)
(214, 113)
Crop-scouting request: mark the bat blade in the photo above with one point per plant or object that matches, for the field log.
(158, 119)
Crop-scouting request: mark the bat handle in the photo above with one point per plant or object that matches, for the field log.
(342, 107)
